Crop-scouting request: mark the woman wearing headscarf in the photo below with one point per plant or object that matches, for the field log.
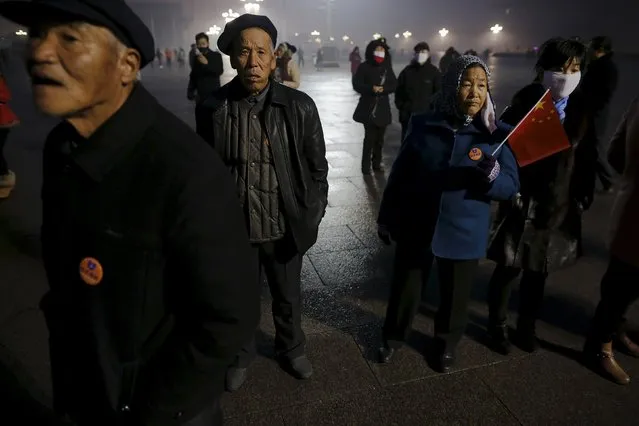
(355, 59)
(541, 231)
(286, 71)
(7, 121)
(436, 204)
(374, 81)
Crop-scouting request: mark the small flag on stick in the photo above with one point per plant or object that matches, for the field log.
(539, 134)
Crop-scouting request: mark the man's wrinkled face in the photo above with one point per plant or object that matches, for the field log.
(73, 67)
(253, 59)
(473, 90)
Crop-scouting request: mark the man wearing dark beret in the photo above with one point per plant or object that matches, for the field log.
(271, 138)
(145, 249)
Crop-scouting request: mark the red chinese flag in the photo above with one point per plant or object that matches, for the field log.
(540, 134)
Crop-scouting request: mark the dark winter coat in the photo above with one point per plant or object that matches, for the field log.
(293, 127)
(204, 79)
(374, 108)
(432, 195)
(541, 231)
(415, 87)
(153, 283)
(599, 85)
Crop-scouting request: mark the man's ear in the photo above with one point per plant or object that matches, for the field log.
(273, 62)
(129, 65)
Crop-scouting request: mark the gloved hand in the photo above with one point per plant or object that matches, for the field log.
(489, 167)
(384, 234)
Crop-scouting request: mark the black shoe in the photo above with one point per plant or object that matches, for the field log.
(526, 339)
(498, 338)
(235, 378)
(299, 367)
(385, 354)
(446, 362)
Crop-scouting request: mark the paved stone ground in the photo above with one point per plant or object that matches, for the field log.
(345, 280)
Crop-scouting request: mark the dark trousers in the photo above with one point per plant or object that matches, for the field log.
(531, 294)
(411, 271)
(203, 121)
(619, 290)
(283, 272)
(373, 144)
(4, 167)
(604, 170)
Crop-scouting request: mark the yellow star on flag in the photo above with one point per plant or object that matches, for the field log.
(540, 105)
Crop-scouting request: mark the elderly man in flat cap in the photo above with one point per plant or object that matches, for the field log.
(150, 268)
(271, 138)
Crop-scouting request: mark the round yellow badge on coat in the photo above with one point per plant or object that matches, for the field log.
(91, 271)
(475, 154)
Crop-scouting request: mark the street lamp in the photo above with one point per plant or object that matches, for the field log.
(21, 33)
(496, 29)
(253, 8)
(345, 38)
(407, 34)
(214, 30)
(443, 32)
(377, 36)
(318, 40)
(297, 34)
(331, 38)
(315, 33)
(230, 15)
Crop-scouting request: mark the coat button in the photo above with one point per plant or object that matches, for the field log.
(252, 164)
(178, 414)
(251, 187)
(125, 409)
(254, 117)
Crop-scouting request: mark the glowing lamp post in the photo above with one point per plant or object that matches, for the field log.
(21, 33)
(496, 29)
(443, 32)
(377, 36)
(397, 35)
(230, 15)
(214, 30)
(315, 33)
(407, 34)
(346, 38)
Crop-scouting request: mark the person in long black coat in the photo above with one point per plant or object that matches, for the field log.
(374, 81)
(541, 231)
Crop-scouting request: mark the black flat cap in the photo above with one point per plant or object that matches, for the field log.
(115, 15)
(233, 29)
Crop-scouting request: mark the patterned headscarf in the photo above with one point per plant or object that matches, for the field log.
(445, 101)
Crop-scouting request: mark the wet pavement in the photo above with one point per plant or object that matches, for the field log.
(345, 281)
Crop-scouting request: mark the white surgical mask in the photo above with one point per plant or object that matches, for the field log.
(380, 54)
(422, 57)
(561, 85)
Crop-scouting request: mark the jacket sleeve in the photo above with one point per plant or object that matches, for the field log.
(601, 85)
(294, 72)
(216, 303)
(506, 185)
(390, 86)
(360, 85)
(437, 81)
(401, 175)
(214, 65)
(617, 150)
(315, 151)
(400, 93)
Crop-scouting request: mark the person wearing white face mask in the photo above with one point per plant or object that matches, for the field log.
(541, 231)
(416, 85)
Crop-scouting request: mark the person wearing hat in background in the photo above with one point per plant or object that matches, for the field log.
(374, 81)
(204, 78)
(143, 243)
(270, 136)
(416, 85)
(286, 70)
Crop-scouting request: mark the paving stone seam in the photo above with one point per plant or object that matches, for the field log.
(503, 404)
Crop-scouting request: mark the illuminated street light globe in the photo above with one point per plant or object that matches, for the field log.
(21, 33)
(253, 8)
(318, 40)
(332, 38)
(315, 33)
(496, 29)
(345, 38)
(377, 36)
(443, 32)
(407, 34)
(214, 30)
(230, 15)
(297, 34)
(397, 35)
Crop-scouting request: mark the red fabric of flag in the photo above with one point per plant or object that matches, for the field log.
(540, 134)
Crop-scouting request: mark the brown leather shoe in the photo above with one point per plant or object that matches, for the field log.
(625, 344)
(606, 365)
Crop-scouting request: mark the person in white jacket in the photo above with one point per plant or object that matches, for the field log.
(287, 71)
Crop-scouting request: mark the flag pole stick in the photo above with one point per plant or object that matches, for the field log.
(518, 124)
